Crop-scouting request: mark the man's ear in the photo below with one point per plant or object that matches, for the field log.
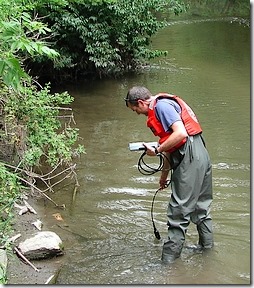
(140, 101)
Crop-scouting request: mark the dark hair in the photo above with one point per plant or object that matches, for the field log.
(136, 93)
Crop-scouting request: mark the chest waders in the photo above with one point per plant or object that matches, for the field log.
(191, 198)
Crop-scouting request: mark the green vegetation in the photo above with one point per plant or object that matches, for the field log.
(100, 38)
(37, 142)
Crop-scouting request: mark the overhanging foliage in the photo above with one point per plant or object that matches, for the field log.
(38, 144)
(102, 38)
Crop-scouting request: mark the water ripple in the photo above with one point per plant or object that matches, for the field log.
(231, 166)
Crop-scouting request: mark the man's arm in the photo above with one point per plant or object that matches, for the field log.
(165, 170)
(178, 134)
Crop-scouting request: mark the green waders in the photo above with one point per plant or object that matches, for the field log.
(191, 197)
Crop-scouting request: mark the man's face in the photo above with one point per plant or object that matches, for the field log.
(140, 107)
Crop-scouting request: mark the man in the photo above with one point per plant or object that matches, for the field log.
(173, 121)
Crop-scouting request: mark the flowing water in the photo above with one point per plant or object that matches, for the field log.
(109, 235)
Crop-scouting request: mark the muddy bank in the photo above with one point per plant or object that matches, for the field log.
(19, 272)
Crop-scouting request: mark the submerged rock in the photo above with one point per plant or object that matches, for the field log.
(45, 244)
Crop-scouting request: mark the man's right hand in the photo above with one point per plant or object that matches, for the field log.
(163, 183)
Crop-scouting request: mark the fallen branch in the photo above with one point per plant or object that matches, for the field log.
(49, 279)
(14, 238)
(30, 208)
(25, 209)
(25, 259)
(42, 177)
(46, 179)
(39, 190)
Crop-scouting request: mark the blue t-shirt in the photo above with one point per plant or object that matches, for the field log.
(168, 112)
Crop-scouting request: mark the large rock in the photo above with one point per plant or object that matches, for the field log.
(44, 244)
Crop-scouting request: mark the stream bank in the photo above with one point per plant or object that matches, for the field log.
(19, 272)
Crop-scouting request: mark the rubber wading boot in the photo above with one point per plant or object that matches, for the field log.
(171, 251)
(205, 234)
(168, 258)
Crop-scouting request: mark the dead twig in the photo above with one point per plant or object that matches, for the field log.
(45, 179)
(49, 279)
(14, 238)
(25, 259)
(30, 208)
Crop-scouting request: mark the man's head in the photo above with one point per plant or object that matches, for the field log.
(138, 99)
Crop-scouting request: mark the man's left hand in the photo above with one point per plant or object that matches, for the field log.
(150, 151)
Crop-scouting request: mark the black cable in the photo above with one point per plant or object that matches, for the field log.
(146, 169)
(155, 231)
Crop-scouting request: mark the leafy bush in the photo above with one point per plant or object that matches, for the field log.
(10, 190)
(36, 133)
(102, 37)
(38, 113)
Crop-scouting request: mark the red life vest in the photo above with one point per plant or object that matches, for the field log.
(188, 117)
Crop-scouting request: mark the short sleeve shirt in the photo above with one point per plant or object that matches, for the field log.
(168, 112)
